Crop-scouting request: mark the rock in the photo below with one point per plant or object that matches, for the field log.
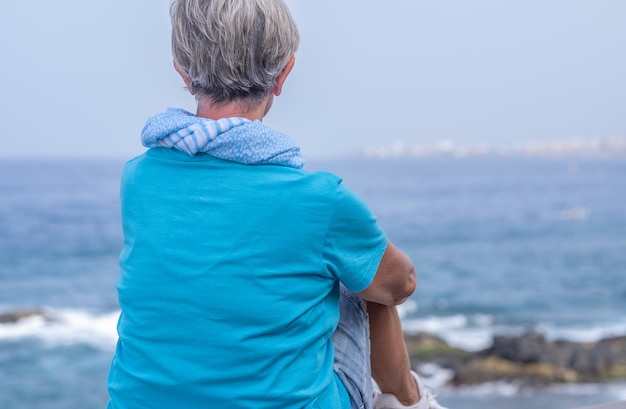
(568, 354)
(527, 348)
(488, 369)
(592, 362)
(529, 358)
(15, 316)
(608, 357)
(424, 347)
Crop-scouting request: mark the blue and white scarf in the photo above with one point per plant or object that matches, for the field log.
(235, 139)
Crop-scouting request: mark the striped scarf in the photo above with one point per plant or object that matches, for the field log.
(235, 139)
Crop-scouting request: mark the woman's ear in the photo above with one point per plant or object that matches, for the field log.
(184, 77)
(282, 77)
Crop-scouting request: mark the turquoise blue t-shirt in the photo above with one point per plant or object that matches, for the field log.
(229, 283)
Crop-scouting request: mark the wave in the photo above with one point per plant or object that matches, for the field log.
(471, 333)
(499, 388)
(64, 327)
(434, 375)
(475, 332)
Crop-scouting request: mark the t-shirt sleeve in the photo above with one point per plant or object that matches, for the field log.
(355, 243)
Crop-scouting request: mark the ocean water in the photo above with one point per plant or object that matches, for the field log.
(500, 245)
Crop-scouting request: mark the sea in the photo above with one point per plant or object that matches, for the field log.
(501, 245)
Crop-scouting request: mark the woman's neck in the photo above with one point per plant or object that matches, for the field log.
(234, 109)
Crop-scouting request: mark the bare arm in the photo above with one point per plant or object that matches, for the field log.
(394, 281)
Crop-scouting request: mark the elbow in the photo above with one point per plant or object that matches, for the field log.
(407, 289)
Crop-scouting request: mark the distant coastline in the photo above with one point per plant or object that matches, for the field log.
(592, 147)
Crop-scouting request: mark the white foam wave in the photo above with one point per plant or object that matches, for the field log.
(476, 332)
(582, 333)
(409, 307)
(65, 327)
(434, 375)
(499, 388)
(471, 333)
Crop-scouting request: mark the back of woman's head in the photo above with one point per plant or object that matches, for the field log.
(232, 50)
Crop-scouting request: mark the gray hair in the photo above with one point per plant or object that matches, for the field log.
(232, 50)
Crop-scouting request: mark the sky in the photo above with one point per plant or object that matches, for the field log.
(79, 78)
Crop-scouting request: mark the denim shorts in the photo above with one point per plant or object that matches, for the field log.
(352, 349)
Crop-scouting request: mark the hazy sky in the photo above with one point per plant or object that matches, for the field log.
(79, 78)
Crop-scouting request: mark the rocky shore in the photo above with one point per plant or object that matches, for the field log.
(529, 358)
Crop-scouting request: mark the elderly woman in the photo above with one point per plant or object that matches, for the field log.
(247, 282)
